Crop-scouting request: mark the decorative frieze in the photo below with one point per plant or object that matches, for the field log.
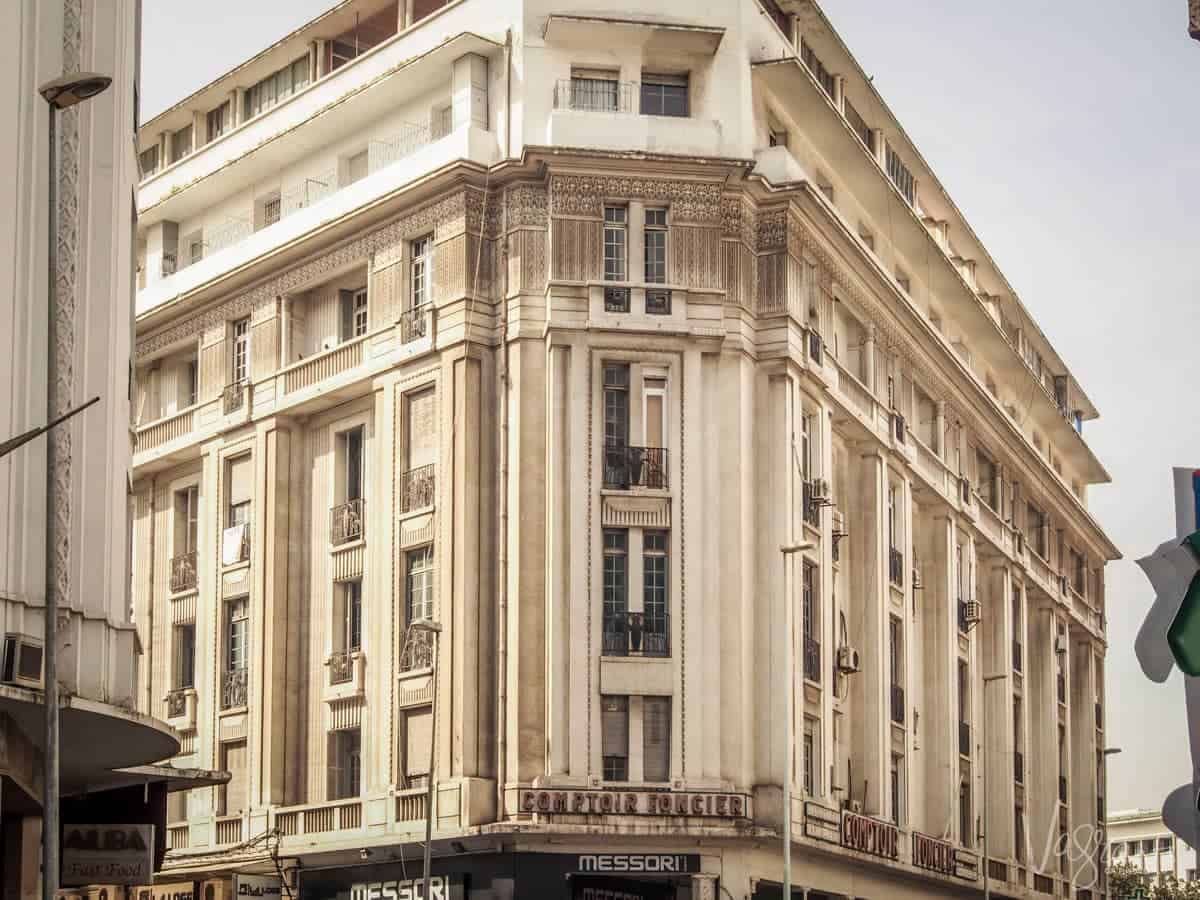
(584, 196)
(637, 512)
(528, 206)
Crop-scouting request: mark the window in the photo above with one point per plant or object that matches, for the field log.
(896, 650)
(422, 271)
(811, 761)
(218, 121)
(806, 454)
(896, 781)
(240, 486)
(1016, 613)
(965, 831)
(964, 692)
(901, 177)
(187, 520)
(615, 589)
(195, 250)
(988, 491)
(356, 167)
(241, 350)
(185, 656)
(892, 512)
(417, 728)
(616, 222)
(614, 737)
(808, 577)
(353, 313)
(664, 95)
(1019, 831)
(191, 382)
(345, 764)
(1078, 572)
(236, 634)
(813, 63)
(148, 161)
(616, 405)
(348, 616)
(1165, 845)
(655, 596)
(1017, 725)
(181, 143)
(270, 211)
(351, 452)
(1148, 846)
(276, 87)
(654, 399)
(656, 738)
(232, 796)
(778, 137)
(418, 590)
(1036, 525)
(1116, 850)
(656, 246)
(595, 91)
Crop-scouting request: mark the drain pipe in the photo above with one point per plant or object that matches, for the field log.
(502, 383)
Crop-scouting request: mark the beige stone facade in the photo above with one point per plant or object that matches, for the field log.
(564, 372)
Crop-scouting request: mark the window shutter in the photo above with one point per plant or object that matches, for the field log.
(422, 434)
(346, 307)
(234, 762)
(418, 727)
(614, 726)
(656, 738)
(241, 479)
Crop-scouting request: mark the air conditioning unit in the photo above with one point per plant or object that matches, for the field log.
(898, 426)
(22, 662)
(964, 489)
(917, 583)
(1060, 644)
(972, 612)
(848, 660)
(819, 493)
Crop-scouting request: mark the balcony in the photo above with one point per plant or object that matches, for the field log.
(897, 704)
(812, 660)
(177, 703)
(417, 654)
(341, 666)
(183, 572)
(636, 634)
(626, 467)
(418, 487)
(233, 398)
(414, 323)
(1019, 767)
(1062, 788)
(1018, 656)
(320, 818)
(964, 739)
(896, 568)
(346, 522)
(234, 687)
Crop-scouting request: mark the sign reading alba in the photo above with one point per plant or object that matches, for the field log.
(635, 803)
(107, 854)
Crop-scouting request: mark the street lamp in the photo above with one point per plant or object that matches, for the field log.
(987, 679)
(432, 629)
(61, 93)
(789, 738)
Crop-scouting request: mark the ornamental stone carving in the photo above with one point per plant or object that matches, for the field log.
(528, 206)
(584, 195)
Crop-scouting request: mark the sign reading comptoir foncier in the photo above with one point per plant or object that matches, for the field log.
(634, 803)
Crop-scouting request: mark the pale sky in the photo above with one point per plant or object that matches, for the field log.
(1068, 134)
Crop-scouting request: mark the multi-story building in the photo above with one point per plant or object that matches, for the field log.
(552, 322)
(1138, 837)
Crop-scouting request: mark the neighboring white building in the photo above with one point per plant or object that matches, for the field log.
(99, 647)
(553, 320)
(1139, 838)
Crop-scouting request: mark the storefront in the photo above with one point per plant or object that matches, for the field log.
(505, 876)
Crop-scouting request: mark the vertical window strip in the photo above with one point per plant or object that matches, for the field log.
(616, 243)
(656, 246)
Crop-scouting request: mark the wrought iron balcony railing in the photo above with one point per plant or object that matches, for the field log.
(637, 634)
(177, 704)
(183, 572)
(896, 567)
(658, 302)
(341, 667)
(346, 522)
(964, 738)
(234, 684)
(812, 660)
(597, 95)
(897, 704)
(626, 467)
(417, 488)
(418, 651)
(234, 396)
(616, 299)
(414, 324)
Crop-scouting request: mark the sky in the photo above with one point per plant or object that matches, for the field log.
(1068, 135)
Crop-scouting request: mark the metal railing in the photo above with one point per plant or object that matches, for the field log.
(658, 302)
(183, 572)
(963, 625)
(407, 141)
(234, 396)
(177, 704)
(417, 488)
(232, 232)
(616, 299)
(812, 660)
(417, 652)
(306, 193)
(637, 634)
(169, 265)
(897, 704)
(964, 738)
(1018, 655)
(626, 467)
(597, 95)
(814, 494)
(346, 522)
(341, 667)
(234, 684)
(860, 126)
(414, 323)
(1019, 767)
(896, 567)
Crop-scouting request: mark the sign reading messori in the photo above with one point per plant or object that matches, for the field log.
(634, 803)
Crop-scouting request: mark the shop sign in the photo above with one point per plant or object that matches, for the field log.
(639, 863)
(441, 887)
(619, 889)
(635, 803)
(868, 835)
(257, 886)
(933, 854)
(179, 890)
(107, 854)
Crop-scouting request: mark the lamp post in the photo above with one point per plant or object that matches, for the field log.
(61, 93)
(786, 551)
(987, 886)
(432, 629)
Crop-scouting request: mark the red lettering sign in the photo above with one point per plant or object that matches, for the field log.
(869, 835)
